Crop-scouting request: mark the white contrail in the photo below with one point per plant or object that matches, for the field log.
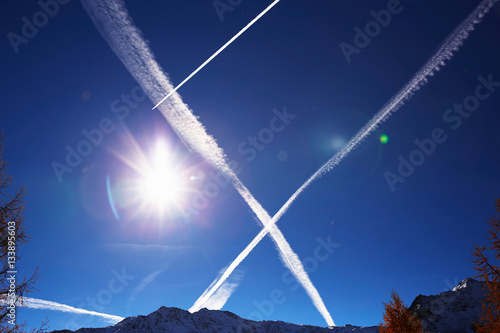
(112, 20)
(144, 283)
(288, 257)
(220, 297)
(34, 303)
(219, 51)
(444, 52)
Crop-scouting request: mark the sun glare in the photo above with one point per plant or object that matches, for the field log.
(159, 184)
(155, 185)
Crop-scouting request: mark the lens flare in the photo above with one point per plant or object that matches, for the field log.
(153, 183)
(159, 184)
(384, 139)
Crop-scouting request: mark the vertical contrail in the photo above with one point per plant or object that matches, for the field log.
(113, 22)
(444, 52)
(219, 51)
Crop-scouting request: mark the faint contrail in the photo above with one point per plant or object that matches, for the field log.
(220, 297)
(113, 22)
(34, 303)
(219, 51)
(444, 52)
(144, 283)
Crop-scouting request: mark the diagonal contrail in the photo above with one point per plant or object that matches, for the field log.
(219, 51)
(34, 303)
(113, 22)
(220, 297)
(444, 52)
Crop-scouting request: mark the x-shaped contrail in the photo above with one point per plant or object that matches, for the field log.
(112, 20)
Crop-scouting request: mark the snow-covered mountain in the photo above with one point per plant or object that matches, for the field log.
(451, 311)
(174, 320)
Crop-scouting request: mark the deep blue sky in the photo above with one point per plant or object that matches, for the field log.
(416, 239)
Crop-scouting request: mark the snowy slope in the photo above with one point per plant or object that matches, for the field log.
(451, 311)
(174, 320)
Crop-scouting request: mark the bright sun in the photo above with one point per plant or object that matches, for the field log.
(155, 183)
(159, 184)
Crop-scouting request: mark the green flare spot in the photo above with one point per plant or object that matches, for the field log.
(384, 138)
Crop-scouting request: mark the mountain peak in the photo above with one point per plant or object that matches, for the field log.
(448, 312)
(451, 311)
(469, 283)
(211, 321)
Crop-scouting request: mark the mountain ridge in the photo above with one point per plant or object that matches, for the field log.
(171, 319)
(452, 311)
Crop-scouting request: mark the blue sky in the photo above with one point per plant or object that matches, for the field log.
(415, 236)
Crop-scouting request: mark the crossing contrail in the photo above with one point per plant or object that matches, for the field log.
(218, 51)
(112, 20)
(444, 52)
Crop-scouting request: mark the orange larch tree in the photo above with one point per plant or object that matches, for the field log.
(489, 271)
(398, 319)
